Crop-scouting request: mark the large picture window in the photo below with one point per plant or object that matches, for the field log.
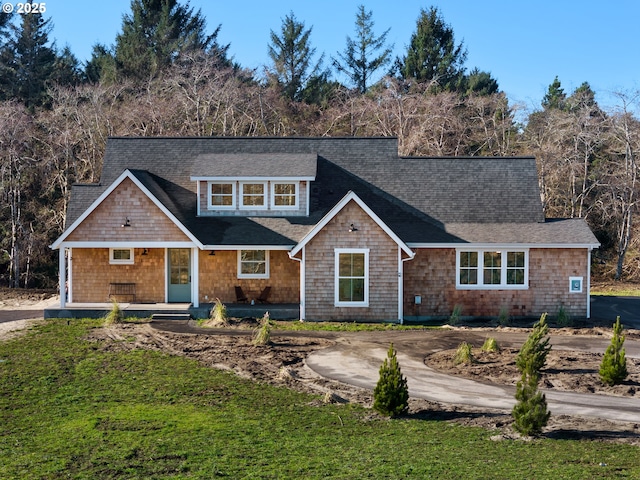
(253, 264)
(492, 269)
(351, 277)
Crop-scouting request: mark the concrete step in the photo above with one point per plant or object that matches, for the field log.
(171, 316)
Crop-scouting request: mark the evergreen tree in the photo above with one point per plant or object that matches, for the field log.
(291, 54)
(66, 69)
(530, 413)
(356, 61)
(613, 369)
(391, 395)
(102, 65)
(555, 96)
(28, 61)
(155, 33)
(433, 55)
(479, 83)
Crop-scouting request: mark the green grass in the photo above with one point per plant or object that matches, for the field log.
(70, 409)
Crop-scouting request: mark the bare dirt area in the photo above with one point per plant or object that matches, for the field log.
(283, 364)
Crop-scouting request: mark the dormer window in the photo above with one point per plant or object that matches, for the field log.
(253, 195)
(284, 195)
(222, 195)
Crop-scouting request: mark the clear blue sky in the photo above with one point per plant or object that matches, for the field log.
(523, 44)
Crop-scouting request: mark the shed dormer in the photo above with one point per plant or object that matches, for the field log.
(254, 184)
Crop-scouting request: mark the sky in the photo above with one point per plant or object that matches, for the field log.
(524, 45)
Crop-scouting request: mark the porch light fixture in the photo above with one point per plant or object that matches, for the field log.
(212, 253)
(145, 252)
(352, 228)
(126, 223)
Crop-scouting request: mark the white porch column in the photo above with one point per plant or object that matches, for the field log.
(588, 283)
(400, 286)
(195, 277)
(62, 275)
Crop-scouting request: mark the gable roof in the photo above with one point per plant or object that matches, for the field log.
(422, 200)
(349, 197)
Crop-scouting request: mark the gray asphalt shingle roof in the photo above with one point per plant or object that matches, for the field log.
(423, 200)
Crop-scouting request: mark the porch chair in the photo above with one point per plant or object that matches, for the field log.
(240, 296)
(264, 295)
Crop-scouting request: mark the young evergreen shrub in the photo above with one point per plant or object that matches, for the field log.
(503, 317)
(391, 395)
(613, 369)
(454, 318)
(490, 345)
(536, 348)
(115, 314)
(563, 319)
(262, 335)
(464, 354)
(530, 413)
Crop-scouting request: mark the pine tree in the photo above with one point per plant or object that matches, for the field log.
(391, 395)
(555, 96)
(291, 54)
(433, 55)
(530, 413)
(155, 33)
(356, 61)
(28, 61)
(613, 369)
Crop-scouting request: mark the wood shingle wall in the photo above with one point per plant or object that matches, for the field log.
(432, 275)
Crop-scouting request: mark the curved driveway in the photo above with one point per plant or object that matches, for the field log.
(356, 361)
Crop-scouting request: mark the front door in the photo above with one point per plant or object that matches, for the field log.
(179, 275)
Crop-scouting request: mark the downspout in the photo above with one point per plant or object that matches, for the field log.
(401, 283)
(302, 281)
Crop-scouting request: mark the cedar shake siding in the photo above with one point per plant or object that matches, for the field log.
(147, 221)
(432, 275)
(320, 268)
(92, 274)
(219, 276)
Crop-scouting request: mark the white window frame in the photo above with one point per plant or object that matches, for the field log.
(337, 301)
(210, 206)
(285, 207)
(265, 196)
(503, 285)
(120, 261)
(253, 275)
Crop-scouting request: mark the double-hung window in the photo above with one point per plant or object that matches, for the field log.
(492, 269)
(351, 277)
(253, 264)
(253, 195)
(222, 195)
(284, 195)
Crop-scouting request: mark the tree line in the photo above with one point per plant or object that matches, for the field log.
(166, 75)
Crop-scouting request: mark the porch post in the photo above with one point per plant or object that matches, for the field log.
(588, 283)
(195, 276)
(62, 275)
(400, 286)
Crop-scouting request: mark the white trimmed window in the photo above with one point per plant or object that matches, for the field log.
(121, 256)
(221, 195)
(492, 269)
(284, 195)
(253, 195)
(351, 277)
(253, 264)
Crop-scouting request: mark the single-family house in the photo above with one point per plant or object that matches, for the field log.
(343, 227)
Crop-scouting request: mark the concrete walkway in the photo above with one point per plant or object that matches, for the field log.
(358, 363)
